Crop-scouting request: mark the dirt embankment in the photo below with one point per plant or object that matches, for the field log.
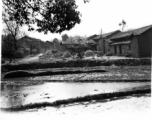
(86, 74)
(23, 73)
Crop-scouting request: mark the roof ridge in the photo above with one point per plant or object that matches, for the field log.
(138, 28)
(31, 38)
(110, 32)
(136, 31)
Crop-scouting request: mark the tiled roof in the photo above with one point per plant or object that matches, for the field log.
(97, 37)
(123, 42)
(92, 37)
(108, 34)
(134, 32)
(29, 38)
(108, 40)
(91, 42)
(141, 30)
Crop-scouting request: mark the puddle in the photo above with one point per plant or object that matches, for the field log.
(14, 95)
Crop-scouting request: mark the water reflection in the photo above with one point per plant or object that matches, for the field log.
(16, 95)
(11, 95)
(9, 87)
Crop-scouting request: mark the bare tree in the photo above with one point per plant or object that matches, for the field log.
(11, 32)
(123, 24)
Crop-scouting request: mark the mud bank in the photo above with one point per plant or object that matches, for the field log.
(140, 73)
(22, 73)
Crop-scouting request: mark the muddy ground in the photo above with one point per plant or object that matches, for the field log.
(139, 76)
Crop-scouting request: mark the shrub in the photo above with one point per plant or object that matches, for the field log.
(129, 55)
(48, 52)
(108, 54)
(58, 55)
(67, 54)
(89, 53)
(19, 54)
(54, 51)
(26, 51)
(99, 53)
(3, 61)
(34, 51)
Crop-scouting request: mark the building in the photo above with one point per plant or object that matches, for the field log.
(35, 44)
(101, 42)
(136, 43)
(106, 40)
(92, 43)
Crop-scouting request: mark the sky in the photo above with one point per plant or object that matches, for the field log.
(106, 15)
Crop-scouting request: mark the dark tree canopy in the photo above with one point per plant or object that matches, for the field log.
(49, 15)
(8, 46)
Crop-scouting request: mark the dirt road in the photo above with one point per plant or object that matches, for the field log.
(30, 59)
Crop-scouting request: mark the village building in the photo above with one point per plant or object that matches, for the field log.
(106, 40)
(92, 43)
(136, 43)
(101, 42)
(35, 44)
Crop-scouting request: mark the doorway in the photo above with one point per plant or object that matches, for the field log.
(120, 49)
(115, 49)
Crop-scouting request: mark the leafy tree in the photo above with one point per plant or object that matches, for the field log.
(123, 24)
(49, 15)
(56, 44)
(76, 45)
(77, 39)
(65, 37)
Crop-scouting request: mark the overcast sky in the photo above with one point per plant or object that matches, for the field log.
(106, 15)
